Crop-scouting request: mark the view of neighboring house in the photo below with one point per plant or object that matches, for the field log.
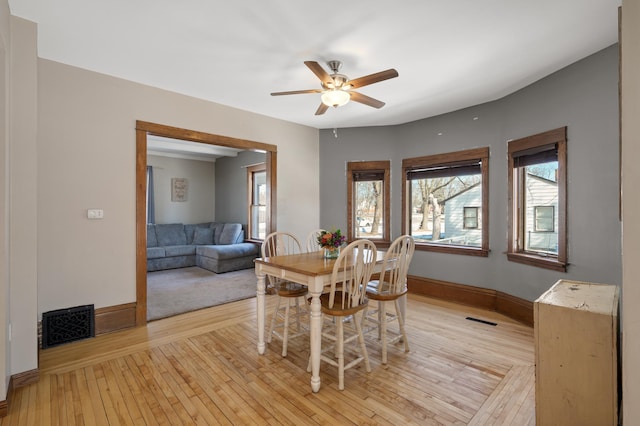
(463, 217)
(541, 215)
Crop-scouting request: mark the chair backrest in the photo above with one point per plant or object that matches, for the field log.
(351, 274)
(279, 244)
(396, 264)
(312, 240)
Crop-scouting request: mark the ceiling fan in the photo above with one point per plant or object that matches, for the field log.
(337, 88)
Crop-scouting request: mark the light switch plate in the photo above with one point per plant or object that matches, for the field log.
(95, 214)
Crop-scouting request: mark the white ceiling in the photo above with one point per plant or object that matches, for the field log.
(450, 54)
(168, 147)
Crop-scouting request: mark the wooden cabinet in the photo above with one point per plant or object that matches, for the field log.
(576, 334)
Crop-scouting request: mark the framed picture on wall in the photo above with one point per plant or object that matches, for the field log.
(179, 189)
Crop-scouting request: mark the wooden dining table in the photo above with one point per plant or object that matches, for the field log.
(314, 271)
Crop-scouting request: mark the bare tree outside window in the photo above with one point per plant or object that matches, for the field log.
(368, 200)
(438, 188)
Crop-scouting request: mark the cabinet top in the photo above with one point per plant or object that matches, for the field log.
(592, 297)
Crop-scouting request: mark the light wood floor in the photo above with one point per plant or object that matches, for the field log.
(203, 368)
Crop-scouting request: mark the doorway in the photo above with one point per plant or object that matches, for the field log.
(144, 129)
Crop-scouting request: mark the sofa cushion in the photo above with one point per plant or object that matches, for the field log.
(189, 231)
(155, 252)
(203, 236)
(217, 231)
(230, 234)
(152, 240)
(230, 251)
(179, 250)
(171, 234)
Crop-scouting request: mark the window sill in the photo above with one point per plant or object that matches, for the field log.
(538, 261)
(466, 251)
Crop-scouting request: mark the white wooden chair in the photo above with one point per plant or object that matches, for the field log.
(291, 293)
(390, 287)
(312, 241)
(346, 298)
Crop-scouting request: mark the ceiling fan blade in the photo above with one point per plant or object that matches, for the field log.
(322, 109)
(373, 78)
(317, 69)
(364, 99)
(296, 92)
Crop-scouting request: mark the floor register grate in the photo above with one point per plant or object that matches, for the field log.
(67, 325)
(481, 321)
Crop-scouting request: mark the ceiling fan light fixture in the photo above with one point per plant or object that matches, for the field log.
(335, 97)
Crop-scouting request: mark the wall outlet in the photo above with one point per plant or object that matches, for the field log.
(95, 214)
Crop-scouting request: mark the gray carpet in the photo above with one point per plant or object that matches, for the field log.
(176, 291)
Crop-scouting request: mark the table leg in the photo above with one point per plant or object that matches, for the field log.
(315, 333)
(260, 289)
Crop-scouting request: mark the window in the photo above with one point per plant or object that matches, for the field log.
(257, 182)
(537, 200)
(544, 218)
(151, 206)
(368, 200)
(470, 215)
(445, 201)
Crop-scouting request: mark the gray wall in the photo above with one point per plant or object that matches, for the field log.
(583, 97)
(231, 186)
(200, 203)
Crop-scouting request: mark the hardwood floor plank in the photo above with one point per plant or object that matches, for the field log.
(128, 408)
(201, 388)
(114, 406)
(203, 368)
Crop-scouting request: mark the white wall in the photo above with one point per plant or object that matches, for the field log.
(200, 204)
(5, 345)
(631, 211)
(86, 159)
(23, 192)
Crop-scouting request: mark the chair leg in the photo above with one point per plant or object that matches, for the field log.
(381, 318)
(285, 331)
(363, 347)
(301, 310)
(382, 328)
(401, 323)
(340, 352)
(273, 319)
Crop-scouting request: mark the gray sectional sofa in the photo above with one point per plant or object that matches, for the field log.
(218, 247)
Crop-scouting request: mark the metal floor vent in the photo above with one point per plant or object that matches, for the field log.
(67, 325)
(482, 321)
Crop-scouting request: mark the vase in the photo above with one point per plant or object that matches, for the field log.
(331, 252)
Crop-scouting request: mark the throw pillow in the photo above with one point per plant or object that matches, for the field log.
(203, 236)
(230, 233)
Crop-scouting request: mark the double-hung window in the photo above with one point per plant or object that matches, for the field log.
(470, 217)
(537, 200)
(257, 192)
(368, 200)
(446, 201)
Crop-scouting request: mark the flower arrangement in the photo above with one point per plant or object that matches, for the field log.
(331, 239)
